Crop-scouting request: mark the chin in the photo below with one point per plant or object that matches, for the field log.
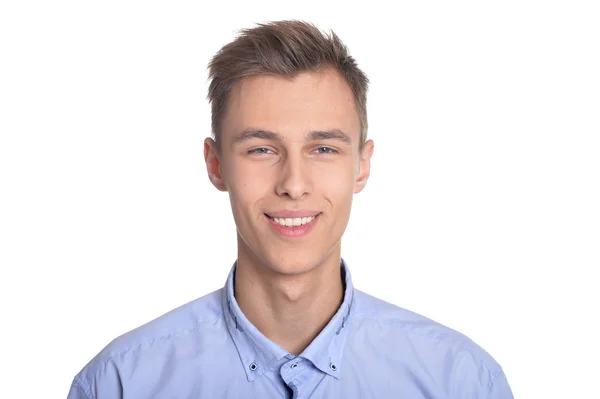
(288, 265)
(292, 265)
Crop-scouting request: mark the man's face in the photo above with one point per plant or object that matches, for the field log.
(290, 145)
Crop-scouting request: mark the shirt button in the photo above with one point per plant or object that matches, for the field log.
(293, 366)
(333, 367)
(253, 366)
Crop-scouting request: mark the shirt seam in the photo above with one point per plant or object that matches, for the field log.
(83, 386)
(493, 380)
(435, 336)
(490, 384)
(149, 344)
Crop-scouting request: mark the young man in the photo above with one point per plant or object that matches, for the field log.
(289, 123)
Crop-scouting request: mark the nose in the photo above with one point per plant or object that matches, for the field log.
(294, 180)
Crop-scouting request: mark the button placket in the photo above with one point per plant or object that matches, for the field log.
(291, 370)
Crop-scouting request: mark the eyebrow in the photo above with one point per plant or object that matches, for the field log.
(333, 134)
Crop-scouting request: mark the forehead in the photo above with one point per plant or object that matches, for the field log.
(292, 106)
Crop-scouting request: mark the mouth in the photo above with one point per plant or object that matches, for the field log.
(293, 227)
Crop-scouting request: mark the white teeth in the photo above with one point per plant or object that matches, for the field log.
(289, 222)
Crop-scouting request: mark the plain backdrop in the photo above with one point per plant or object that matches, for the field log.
(482, 210)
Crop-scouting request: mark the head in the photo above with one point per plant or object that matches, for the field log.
(289, 126)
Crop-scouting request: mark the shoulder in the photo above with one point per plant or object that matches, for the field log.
(402, 324)
(154, 339)
(201, 312)
(424, 341)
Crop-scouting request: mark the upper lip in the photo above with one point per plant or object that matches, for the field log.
(292, 214)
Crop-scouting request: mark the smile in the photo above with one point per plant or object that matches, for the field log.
(293, 227)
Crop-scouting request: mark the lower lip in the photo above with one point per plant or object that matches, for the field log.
(294, 231)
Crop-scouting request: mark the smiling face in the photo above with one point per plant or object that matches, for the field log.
(290, 145)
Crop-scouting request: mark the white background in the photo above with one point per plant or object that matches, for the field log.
(482, 210)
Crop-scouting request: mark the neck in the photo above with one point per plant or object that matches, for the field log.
(289, 309)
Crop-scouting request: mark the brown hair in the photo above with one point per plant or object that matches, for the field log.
(282, 48)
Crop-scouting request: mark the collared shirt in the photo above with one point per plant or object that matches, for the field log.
(369, 349)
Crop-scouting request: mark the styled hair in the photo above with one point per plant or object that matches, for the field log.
(283, 48)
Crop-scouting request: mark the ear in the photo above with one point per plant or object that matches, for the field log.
(213, 164)
(364, 166)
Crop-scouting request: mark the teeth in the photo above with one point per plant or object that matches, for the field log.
(289, 222)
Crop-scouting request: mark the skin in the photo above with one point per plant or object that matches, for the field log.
(290, 288)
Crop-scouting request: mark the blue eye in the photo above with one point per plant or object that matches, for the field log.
(261, 150)
(266, 151)
(328, 150)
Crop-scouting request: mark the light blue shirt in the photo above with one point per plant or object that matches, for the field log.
(207, 349)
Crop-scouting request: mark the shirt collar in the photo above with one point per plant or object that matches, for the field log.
(326, 350)
(258, 354)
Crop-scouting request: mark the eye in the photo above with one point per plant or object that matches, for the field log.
(327, 150)
(260, 151)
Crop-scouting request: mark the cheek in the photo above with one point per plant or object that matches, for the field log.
(247, 187)
(338, 188)
(338, 181)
